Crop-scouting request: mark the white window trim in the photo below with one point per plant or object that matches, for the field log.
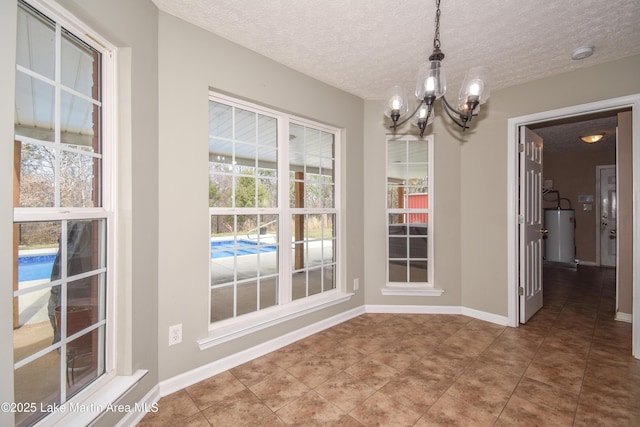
(111, 386)
(287, 309)
(418, 288)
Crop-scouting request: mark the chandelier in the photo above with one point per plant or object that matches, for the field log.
(431, 86)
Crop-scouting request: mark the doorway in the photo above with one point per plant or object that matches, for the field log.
(537, 120)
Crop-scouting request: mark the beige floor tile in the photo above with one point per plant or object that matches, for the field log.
(310, 410)
(449, 411)
(345, 391)
(571, 364)
(381, 410)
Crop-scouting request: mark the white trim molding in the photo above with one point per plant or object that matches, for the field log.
(624, 317)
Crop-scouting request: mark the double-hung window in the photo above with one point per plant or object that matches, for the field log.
(272, 205)
(62, 212)
(409, 215)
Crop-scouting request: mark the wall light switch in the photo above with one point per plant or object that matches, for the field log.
(356, 284)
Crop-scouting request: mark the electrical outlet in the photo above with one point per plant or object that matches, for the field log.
(175, 334)
(356, 284)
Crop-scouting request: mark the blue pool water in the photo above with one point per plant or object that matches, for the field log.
(38, 267)
(224, 248)
(35, 267)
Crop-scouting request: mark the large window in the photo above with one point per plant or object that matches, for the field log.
(62, 214)
(272, 206)
(409, 212)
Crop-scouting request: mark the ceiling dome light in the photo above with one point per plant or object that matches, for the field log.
(592, 139)
(582, 53)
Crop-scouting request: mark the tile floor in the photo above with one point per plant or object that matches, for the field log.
(570, 365)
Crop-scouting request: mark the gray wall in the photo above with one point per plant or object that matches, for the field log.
(191, 61)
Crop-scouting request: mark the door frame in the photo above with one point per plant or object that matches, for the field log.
(599, 168)
(513, 125)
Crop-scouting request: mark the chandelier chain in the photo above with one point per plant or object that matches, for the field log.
(436, 36)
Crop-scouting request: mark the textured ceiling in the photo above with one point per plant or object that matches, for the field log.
(365, 46)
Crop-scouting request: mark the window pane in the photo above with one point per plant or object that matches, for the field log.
(80, 67)
(247, 297)
(37, 382)
(267, 131)
(311, 165)
(79, 122)
(37, 177)
(220, 120)
(36, 34)
(243, 260)
(79, 180)
(245, 125)
(222, 302)
(418, 271)
(397, 271)
(268, 292)
(34, 114)
(84, 359)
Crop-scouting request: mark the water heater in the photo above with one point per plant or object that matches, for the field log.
(560, 243)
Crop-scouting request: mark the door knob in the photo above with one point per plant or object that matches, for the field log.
(544, 231)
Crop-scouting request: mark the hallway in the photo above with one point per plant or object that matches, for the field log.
(570, 365)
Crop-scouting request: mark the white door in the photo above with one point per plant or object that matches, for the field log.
(531, 224)
(608, 215)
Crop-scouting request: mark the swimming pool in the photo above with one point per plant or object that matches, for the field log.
(35, 267)
(225, 248)
(38, 267)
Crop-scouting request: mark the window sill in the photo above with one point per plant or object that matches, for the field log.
(225, 331)
(411, 290)
(95, 400)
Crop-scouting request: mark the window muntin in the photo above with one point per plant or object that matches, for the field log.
(247, 147)
(61, 228)
(408, 208)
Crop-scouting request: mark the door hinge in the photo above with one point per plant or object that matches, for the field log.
(520, 219)
(520, 148)
(521, 291)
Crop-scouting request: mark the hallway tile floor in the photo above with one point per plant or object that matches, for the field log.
(570, 365)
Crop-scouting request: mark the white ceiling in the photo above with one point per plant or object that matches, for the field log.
(366, 46)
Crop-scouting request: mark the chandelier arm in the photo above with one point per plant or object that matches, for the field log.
(395, 125)
(448, 109)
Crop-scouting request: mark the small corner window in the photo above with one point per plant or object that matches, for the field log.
(409, 212)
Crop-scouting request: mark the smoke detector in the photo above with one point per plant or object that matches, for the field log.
(582, 53)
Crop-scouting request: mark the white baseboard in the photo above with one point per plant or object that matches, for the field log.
(487, 317)
(624, 317)
(194, 376)
(438, 309)
(413, 309)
